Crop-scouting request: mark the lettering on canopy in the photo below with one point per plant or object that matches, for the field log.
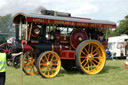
(68, 23)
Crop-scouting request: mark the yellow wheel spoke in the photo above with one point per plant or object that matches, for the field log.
(31, 69)
(95, 50)
(83, 52)
(52, 70)
(83, 57)
(88, 67)
(26, 64)
(95, 61)
(85, 63)
(95, 54)
(28, 56)
(55, 64)
(91, 64)
(27, 68)
(43, 64)
(46, 58)
(41, 68)
(52, 58)
(46, 70)
(92, 49)
(26, 59)
(86, 50)
(43, 60)
(48, 73)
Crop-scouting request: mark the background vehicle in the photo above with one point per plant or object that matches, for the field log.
(49, 42)
(116, 44)
(3, 38)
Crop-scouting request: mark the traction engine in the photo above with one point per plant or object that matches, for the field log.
(54, 39)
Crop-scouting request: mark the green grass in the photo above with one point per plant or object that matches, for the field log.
(114, 73)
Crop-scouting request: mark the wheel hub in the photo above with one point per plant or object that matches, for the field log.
(49, 64)
(90, 57)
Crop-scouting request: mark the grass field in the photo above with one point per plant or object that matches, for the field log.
(114, 73)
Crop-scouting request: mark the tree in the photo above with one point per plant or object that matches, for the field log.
(122, 28)
(6, 25)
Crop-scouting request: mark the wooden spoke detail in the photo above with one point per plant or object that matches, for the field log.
(48, 64)
(29, 63)
(95, 57)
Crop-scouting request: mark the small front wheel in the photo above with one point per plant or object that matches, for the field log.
(30, 63)
(48, 64)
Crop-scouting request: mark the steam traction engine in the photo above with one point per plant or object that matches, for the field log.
(55, 39)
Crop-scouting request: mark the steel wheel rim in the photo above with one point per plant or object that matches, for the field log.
(29, 64)
(49, 64)
(92, 57)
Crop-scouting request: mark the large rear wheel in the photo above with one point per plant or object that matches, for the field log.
(48, 64)
(30, 63)
(90, 57)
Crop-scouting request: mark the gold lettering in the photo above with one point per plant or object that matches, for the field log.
(72, 23)
(38, 20)
(49, 21)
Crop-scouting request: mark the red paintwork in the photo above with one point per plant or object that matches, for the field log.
(24, 42)
(57, 34)
(57, 47)
(26, 47)
(69, 23)
(67, 54)
(75, 35)
(66, 47)
(64, 39)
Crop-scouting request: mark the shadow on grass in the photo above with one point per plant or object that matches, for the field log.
(63, 72)
(107, 68)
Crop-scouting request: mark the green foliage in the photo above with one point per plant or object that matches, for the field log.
(122, 28)
(6, 25)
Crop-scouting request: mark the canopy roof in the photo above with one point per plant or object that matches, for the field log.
(66, 21)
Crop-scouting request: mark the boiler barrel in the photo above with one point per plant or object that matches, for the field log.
(42, 46)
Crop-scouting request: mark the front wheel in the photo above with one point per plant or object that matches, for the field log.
(90, 57)
(30, 63)
(48, 64)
